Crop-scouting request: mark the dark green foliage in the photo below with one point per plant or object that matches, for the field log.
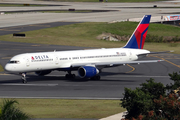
(153, 88)
(168, 109)
(175, 77)
(176, 39)
(155, 105)
(154, 38)
(136, 102)
(10, 112)
(162, 39)
(140, 100)
(169, 106)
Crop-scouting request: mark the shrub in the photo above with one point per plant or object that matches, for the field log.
(136, 102)
(140, 100)
(175, 77)
(150, 102)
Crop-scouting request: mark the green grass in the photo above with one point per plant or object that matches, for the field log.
(1, 68)
(61, 108)
(105, 0)
(84, 34)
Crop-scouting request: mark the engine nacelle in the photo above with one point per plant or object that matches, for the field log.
(42, 73)
(87, 71)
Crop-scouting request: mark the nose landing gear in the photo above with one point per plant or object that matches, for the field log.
(23, 78)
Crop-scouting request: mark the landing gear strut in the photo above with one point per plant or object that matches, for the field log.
(23, 78)
(70, 76)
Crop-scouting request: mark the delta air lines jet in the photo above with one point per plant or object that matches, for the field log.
(88, 63)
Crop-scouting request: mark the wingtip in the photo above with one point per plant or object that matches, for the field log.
(160, 60)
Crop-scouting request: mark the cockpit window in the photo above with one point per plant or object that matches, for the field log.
(14, 62)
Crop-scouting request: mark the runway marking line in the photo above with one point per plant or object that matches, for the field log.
(139, 76)
(6, 58)
(35, 45)
(4, 74)
(8, 30)
(130, 67)
(11, 49)
(16, 84)
(167, 61)
(157, 57)
(172, 58)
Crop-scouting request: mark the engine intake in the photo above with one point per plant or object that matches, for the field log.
(87, 71)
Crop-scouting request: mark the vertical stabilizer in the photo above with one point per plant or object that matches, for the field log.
(138, 37)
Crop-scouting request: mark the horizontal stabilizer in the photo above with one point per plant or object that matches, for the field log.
(145, 54)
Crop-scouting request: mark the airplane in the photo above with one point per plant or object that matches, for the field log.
(88, 63)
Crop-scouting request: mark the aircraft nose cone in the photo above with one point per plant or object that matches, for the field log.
(8, 67)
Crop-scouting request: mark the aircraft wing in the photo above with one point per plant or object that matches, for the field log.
(110, 64)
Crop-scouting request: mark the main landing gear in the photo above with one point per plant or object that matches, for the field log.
(70, 76)
(23, 78)
(97, 77)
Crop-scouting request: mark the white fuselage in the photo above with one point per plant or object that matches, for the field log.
(64, 59)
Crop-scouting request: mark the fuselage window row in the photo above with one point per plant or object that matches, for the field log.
(63, 58)
(41, 60)
(101, 56)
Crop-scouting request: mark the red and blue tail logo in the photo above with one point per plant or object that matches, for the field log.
(137, 39)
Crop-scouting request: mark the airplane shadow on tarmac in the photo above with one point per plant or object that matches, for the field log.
(35, 78)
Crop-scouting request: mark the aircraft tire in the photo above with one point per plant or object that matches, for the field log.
(73, 76)
(70, 76)
(24, 81)
(67, 76)
(98, 77)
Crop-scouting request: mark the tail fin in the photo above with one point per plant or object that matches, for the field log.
(138, 37)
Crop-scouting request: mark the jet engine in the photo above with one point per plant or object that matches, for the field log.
(42, 73)
(87, 71)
